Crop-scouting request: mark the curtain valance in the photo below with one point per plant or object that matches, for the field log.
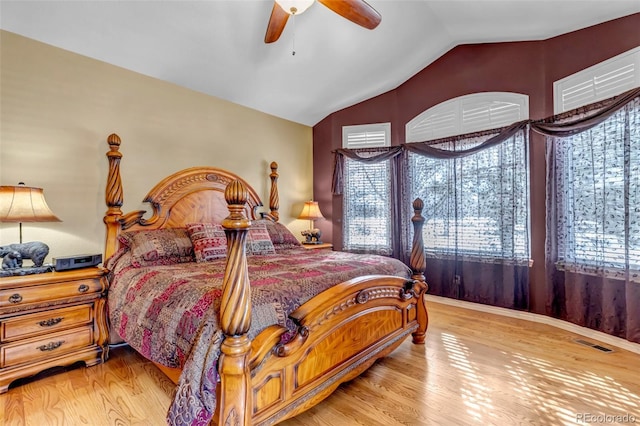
(337, 183)
(429, 150)
(552, 126)
(556, 126)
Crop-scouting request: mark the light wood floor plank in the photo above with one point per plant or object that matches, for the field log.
(476, 368)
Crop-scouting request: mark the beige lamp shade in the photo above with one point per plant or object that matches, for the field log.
(311, 211)
(24, 204)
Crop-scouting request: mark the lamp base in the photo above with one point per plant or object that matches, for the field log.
(13, 254)
(312, 236)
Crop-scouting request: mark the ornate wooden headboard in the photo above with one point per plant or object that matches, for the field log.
(191, 195)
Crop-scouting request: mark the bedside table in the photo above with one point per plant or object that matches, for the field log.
(318, 246)
(51, 319)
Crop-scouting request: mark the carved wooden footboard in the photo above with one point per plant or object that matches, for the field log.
(340, 332)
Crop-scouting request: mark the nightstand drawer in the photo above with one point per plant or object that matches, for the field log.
(46, 347)
(43, 293)
(24, 326)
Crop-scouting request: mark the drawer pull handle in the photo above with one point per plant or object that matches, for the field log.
(51, 346)
(15, 298)
(50, 322)
(83, 288)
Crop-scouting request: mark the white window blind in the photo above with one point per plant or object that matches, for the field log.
(599, 82)
(367, 207)
(475, 206)
(366, 136)
(597, 176)
(467, 114)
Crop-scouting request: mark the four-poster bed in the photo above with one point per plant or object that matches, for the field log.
(273, 342)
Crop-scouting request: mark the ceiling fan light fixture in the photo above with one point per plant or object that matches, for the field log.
(294, 7)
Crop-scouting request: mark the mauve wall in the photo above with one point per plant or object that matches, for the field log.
(523, 67)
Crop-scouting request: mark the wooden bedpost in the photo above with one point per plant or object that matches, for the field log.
(235, 315)
(113, 195)
(418, 265)
(274, 197)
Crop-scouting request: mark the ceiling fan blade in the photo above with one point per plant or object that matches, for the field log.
(277, 21)
(357, 11)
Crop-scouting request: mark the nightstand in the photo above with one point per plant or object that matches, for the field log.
(51, 319)
(318, 246)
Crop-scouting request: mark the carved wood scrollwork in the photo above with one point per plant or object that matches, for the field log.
(133, 218)
(232, 419)
(284, 349)
(362, 297)
(408, 291)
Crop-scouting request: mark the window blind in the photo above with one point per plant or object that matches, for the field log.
(597, 180)
(598, 82)
(468, 114)
(367, 207)
(475, 206)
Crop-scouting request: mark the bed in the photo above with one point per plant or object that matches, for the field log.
(251, 331)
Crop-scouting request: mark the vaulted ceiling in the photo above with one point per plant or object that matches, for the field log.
(217, 46)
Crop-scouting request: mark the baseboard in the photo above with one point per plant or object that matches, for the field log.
(543, 319)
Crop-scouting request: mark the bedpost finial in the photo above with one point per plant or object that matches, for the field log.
(114, 141)
(274, 166)
(236, 193)
(418, 205)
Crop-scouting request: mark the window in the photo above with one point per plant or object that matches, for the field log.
(476, 206)
(367, 206)
(599, 82)
(366, 136)
(596, 183)
(595, 180)
(466, 114)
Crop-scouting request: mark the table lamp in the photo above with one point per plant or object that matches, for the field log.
(24, 204)
(311, 211)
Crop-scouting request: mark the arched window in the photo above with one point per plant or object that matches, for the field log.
(467, 114)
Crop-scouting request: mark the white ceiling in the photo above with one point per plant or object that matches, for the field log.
(216, 46)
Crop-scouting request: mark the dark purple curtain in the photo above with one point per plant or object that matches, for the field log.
(476, 190)
(593, 216)
(373, 181)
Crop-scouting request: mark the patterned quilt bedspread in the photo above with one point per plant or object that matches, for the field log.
(169, 313)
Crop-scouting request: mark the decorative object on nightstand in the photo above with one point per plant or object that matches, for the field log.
(24, 204)
(50, 320)
(311, 212)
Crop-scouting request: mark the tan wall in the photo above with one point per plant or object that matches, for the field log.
(57, 109)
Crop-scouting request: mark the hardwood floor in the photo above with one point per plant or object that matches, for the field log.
(476, 369)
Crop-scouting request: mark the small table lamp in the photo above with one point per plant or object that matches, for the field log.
(24, 204)
(311, 211)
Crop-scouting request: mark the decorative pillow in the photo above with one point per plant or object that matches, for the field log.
(281, 236)
(159, 246)
(259, 241)
(209, 241)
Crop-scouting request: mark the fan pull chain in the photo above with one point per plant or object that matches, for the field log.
(293, 39)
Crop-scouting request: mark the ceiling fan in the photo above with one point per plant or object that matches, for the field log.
(356, 11)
